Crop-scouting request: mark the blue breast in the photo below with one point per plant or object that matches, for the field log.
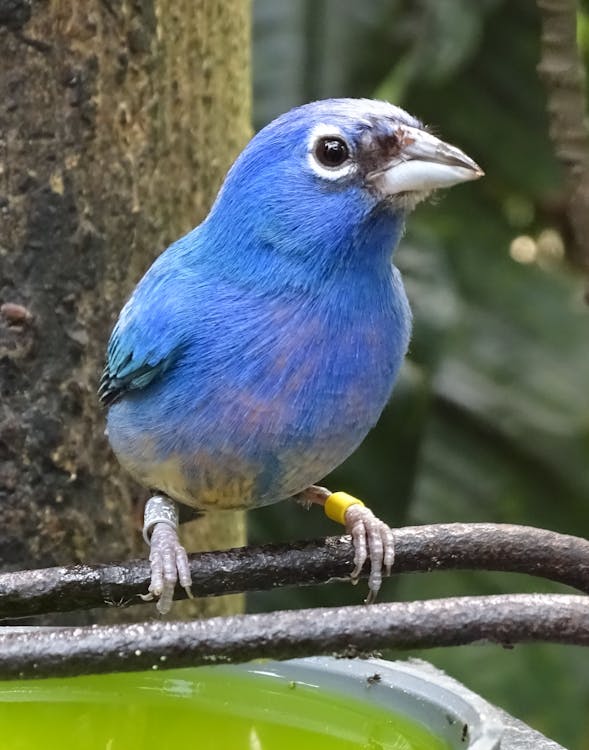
(277, 350)
(269, 392)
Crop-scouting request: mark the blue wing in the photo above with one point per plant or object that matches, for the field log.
(130, 365)
(145, 341)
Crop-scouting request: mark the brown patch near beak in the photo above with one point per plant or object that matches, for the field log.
(379, 149)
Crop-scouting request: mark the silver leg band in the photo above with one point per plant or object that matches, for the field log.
(159, 509)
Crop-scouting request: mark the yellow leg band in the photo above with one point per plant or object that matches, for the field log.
(337, 504)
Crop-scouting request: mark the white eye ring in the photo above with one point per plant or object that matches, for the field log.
(323, 132)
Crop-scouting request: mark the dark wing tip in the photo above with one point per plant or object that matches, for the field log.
(109, 390)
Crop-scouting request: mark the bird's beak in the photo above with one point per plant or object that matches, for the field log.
(422, 163)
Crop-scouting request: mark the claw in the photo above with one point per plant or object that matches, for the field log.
(372, 538)
(168, 558)
(169, 564)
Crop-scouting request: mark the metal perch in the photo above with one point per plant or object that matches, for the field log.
(344, 631)
(498, 547)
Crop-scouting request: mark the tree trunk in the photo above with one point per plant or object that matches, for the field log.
(563, 73)
(118, 120)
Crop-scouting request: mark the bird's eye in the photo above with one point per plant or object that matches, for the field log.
(331, 151)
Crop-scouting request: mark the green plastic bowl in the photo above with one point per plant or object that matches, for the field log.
(316, 704)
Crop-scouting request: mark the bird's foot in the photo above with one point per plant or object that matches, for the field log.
(312, 495)
(371, 537)
(168, 558)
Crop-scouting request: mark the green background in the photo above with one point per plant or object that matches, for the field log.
(490, 418)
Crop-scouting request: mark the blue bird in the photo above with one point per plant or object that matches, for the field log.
(258, 350)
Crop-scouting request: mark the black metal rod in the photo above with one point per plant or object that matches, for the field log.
(345, 631)
(497, 547)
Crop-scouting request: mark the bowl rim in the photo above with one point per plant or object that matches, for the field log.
(413, 688)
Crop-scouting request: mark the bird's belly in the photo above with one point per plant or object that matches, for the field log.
(257, 429)
(235, 454)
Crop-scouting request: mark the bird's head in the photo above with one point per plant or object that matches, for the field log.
(330, 183)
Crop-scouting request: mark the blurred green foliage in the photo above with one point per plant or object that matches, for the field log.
(490, 419)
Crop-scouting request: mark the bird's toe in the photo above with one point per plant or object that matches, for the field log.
(371, 538)
(169, 564)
